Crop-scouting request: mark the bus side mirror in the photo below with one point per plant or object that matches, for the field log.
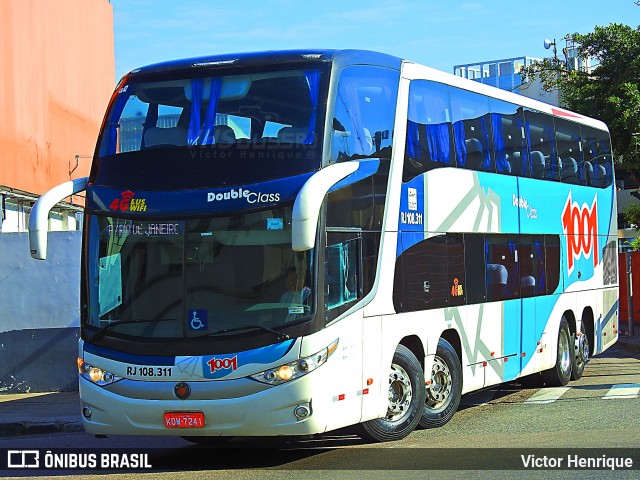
(306, 209)
(39, 218)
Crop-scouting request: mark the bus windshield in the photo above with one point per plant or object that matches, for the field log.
(185, 132)
(188, 278)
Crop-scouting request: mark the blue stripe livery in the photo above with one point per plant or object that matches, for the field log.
(219, 366)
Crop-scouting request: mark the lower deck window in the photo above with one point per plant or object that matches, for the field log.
(455, 269)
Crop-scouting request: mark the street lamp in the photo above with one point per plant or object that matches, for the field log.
(547, 45)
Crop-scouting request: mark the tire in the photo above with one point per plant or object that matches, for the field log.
(560, 374)
(444, 392)
(208, 441)
(581, 357)
(406, 398)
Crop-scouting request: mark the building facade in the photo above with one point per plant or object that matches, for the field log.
(507, 74)
(57, 73)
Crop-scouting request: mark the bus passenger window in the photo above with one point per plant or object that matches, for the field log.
(508, 137)
(541, 136)
(503, 276)
(364, 113)
(475, 267)
(341, 273)
(497, 277)
(597, 153)
(431, 273)
(456, 270)
(429, 129)
(421, 281)
(532, 267)
(551, 263)
(569, 152)
(472, 131)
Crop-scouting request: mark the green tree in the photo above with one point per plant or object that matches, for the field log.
(632, 215)
(610, 92)
(635, 244)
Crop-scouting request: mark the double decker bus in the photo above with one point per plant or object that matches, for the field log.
(294, 242)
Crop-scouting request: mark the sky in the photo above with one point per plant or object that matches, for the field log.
(439, 34)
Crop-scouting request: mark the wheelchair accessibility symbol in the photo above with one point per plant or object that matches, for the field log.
(198, 320)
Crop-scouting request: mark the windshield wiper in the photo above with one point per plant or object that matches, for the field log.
(280, 335)
(100, 333)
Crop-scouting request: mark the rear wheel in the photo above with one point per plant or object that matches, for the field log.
(406, 398)
(581, 357)
(560, 374)
(444, 390)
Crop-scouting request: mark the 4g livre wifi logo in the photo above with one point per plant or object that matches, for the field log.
(127, 203)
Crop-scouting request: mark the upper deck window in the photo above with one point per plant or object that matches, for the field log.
(214, 110)
(449, 126)
(364, 113)
(239, 127)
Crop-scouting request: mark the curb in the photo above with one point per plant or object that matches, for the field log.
(628, 345)
(31, 427)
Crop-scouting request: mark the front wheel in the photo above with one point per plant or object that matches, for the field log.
(444, 389)
(560, 374)
(406, 398)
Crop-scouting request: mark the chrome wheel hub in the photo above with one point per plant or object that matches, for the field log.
(582, 348)
(400, 393)
(439, 390)
(564, 353)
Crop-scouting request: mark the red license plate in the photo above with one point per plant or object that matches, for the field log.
(184, 419)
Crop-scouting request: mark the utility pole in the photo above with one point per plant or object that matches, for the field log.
(629, 294)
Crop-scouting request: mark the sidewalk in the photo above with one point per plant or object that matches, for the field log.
(32, 413)
(37, 413)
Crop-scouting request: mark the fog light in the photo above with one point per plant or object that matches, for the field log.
(302, 411)
(86, 412)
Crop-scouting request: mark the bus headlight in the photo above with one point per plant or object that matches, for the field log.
(290, 371)
(96, 375)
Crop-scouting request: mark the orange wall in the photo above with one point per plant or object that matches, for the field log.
(57, 72)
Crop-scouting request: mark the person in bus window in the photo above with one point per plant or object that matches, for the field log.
(298, 293)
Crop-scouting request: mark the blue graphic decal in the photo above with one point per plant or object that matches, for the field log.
(195, 202)
(511, 339)
(129, 357)
(412, 219)
(583, 222)
(536, 313)
(218, 366)
(367, 167)
(506, 187)
(601, 324)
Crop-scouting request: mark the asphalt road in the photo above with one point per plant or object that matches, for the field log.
(600, 412)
